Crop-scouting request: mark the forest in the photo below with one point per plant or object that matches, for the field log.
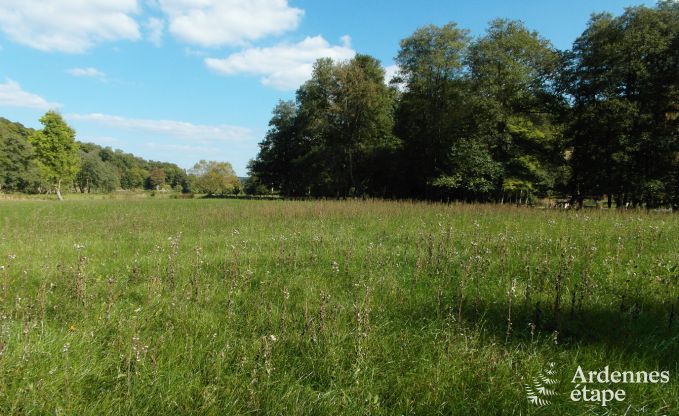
(47, 160)
(496, 118)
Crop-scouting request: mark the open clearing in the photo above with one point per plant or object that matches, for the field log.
(238, 307)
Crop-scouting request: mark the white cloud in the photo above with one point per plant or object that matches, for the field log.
(390, 72)
(71, 26)
(12, 95)
(283, 66)
(212, 23)
(154, 28)
(87, 72)
(177, 129)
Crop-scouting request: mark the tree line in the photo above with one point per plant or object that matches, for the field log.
(501, 117)
(50, 160)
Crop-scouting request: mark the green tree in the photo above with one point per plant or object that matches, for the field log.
(18, 170)
(133, 178)
(333, 140)
(622, 78)
(96, 174)
(56, 151)
(513, 73)
(361, 123)
(432, 113)
(156, 178)
(274, 166)
(214, 178)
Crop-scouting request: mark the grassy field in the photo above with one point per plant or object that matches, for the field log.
(212, 307)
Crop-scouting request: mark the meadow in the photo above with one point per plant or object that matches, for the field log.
(216, 307)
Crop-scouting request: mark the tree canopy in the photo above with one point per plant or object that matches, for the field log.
(214, 178)
(501, 117)
(56, 151)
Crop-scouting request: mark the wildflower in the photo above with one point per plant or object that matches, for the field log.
(273, 338)
(335, 267)
(71, 328)
(78, 246)
(67, 346)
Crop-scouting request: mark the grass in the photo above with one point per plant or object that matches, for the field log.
(214, 307)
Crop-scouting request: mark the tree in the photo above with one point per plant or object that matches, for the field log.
(96, 174)
(281, 147)
(362, 120)
(214, 178)
(133, 178)
(333, 140)
(513, 74)
(56, 151)
(432, 113)
(622, 78)
(18, 170)
(156, 178)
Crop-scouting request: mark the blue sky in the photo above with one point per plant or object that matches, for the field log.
(184, 80)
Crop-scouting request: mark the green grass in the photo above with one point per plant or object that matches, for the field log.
(213, 307)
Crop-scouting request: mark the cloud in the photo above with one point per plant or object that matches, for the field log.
(154, 30)
(177, 129)
(210, 23)
(390, 72)
(283, 66)
(71, 26)
(12, 95)
(87, 73)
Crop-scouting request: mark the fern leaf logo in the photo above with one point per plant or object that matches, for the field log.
(541, 388)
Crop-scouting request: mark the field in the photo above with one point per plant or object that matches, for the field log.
(213, 307)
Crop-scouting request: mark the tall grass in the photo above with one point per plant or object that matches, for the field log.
(216, 307)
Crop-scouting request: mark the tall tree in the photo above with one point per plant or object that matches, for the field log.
(624, 82)
(516, 107)
(432, 111)
(18, 170)
(333, 139)
(56, 151)
(274, 166)
(361, 123)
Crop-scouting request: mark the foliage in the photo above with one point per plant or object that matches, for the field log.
(102, 168)
(330, 140)
(622, 78)
(156, 178)
(56, 150)
(504, 116)
(214, 178)
(18, 169)
(96, 174)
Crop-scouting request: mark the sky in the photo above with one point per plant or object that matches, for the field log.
(185, 80)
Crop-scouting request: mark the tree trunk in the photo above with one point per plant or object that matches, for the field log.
(58, 189)
(352, 183)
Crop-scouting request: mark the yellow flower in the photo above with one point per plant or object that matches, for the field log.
(71, 328)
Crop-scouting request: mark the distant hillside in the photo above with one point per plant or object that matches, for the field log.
(103, 169)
